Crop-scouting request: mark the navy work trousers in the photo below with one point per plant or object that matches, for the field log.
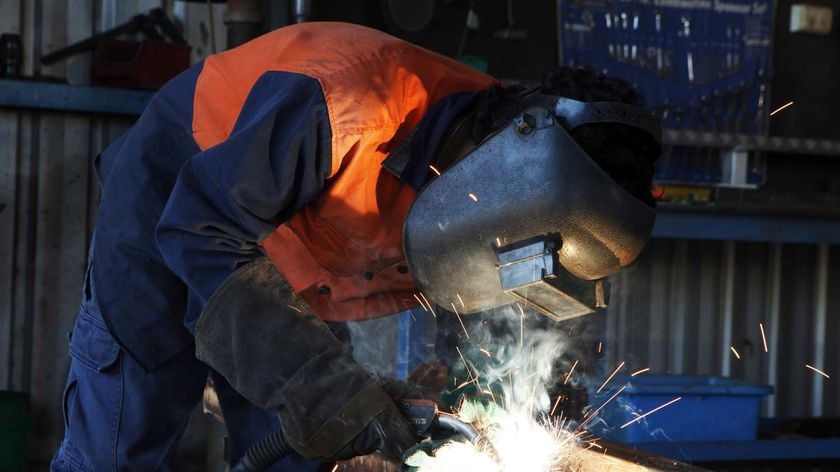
(118, 417)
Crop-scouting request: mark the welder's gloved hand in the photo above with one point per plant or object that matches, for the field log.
(261, 337)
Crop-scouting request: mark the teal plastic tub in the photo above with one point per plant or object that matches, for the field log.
(709, 409)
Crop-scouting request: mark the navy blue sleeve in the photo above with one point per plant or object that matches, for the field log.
(229, 197)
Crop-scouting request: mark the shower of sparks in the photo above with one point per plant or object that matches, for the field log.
(569, 375)
(600, 345)
(421, 303)
(818, 371)
(763, 337)
(777, 110)
(474, 198)
(461, 300)
(735, 352)
(650, 412)
(610, 377)
(295, 308)
(429, 304)
(460, 320)
(435, 170)
(595, 413)
(556, 403)
(646, 369)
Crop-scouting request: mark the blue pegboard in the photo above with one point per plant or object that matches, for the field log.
(701, 63)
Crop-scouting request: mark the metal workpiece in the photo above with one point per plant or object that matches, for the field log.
(514, 188)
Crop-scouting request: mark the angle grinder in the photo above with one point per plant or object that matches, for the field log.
(423, 415)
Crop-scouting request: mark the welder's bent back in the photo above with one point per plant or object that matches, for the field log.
(273, 148)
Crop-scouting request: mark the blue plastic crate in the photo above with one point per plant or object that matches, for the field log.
(711, 409)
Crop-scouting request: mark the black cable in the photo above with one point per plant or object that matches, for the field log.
(264, 454)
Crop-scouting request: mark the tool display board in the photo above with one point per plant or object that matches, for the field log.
(702, 63)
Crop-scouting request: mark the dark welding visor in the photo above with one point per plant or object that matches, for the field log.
(527, 215)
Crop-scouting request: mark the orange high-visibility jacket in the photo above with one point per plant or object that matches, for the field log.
(274, 148)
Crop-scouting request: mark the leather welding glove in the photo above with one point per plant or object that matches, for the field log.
(263, 339)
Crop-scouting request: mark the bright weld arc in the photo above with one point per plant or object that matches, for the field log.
(817, 371)
(650, 412)
(735, 352)
(610, 377)
(460, 320)
(640, 372)
(777, 110)
(763, 337)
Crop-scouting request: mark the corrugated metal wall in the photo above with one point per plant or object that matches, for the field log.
(684, 304)
(48, 196)
(679, 309)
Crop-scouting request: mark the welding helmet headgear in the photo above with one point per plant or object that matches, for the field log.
(528, 216)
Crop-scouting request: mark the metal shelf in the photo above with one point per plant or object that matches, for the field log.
(75, 98)
(688, 224)
(671, 137)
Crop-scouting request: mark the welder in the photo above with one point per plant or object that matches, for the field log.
(261, 201)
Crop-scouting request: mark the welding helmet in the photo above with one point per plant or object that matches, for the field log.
(528, 216)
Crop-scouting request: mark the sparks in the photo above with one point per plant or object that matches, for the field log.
(763, 337)
(818, 371)
(460, 320)
(498, 242)
(474, 198)
(592, 415)
(646, 369)
(554, 408)
(421, 303)
(777, 110)
(521, 328)
(466, 366)
(600, 345)
(650, 412)
(334, 468)
(435, 170)
(570, 372)
(610, 377)
(429, 304)
(735, 352)
(295, 308)
(461, 300)
(486, 352)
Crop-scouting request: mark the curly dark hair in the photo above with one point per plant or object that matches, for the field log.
(627, 154)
